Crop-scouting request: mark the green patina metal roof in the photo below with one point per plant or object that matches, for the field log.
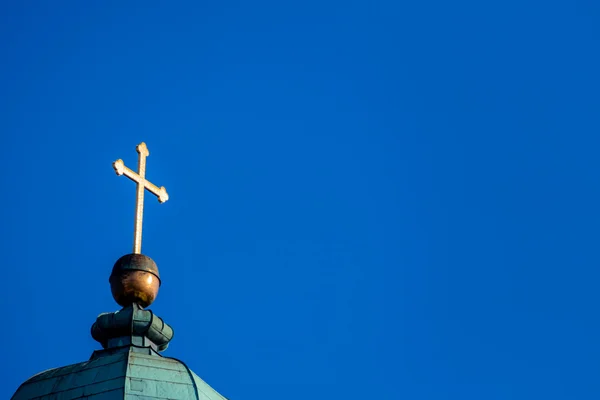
(129, 367)
(125, 374)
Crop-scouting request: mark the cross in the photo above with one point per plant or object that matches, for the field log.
(142, 184)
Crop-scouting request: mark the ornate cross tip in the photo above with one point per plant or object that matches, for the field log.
(163, 195)
(119, 167)
(142, 185)
(142, 149)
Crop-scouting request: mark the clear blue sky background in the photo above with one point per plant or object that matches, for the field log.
(368, 199)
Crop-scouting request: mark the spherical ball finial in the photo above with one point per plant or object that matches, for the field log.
(134, 279)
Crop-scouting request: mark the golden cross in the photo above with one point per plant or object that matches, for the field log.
(142, 184)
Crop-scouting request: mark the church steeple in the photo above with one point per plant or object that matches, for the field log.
(134, 280)
(130, 365)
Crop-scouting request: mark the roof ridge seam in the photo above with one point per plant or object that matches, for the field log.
(189, 371)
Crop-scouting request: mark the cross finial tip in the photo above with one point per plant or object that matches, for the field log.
(119, 167)
(163, 195)
(143, 149)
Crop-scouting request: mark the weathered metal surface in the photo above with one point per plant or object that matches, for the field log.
(132, 322)
(134, 279)
(90, 378)
(129, 368)
(122, 375)
(134, 287)
(175, 380)
(142, 184)
(135, 262)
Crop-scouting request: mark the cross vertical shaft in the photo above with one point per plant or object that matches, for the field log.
(142, 184)
(139, 198)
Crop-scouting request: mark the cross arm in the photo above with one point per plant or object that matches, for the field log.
(161, 192)
(121, 169)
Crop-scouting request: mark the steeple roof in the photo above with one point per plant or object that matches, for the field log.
(130, 365)
(123, 374)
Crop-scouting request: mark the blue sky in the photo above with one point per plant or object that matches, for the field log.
(368, 199)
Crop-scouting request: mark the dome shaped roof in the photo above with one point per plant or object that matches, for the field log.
(127, 373)
(129, 366)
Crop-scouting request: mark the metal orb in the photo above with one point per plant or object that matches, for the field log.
(134, 279)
